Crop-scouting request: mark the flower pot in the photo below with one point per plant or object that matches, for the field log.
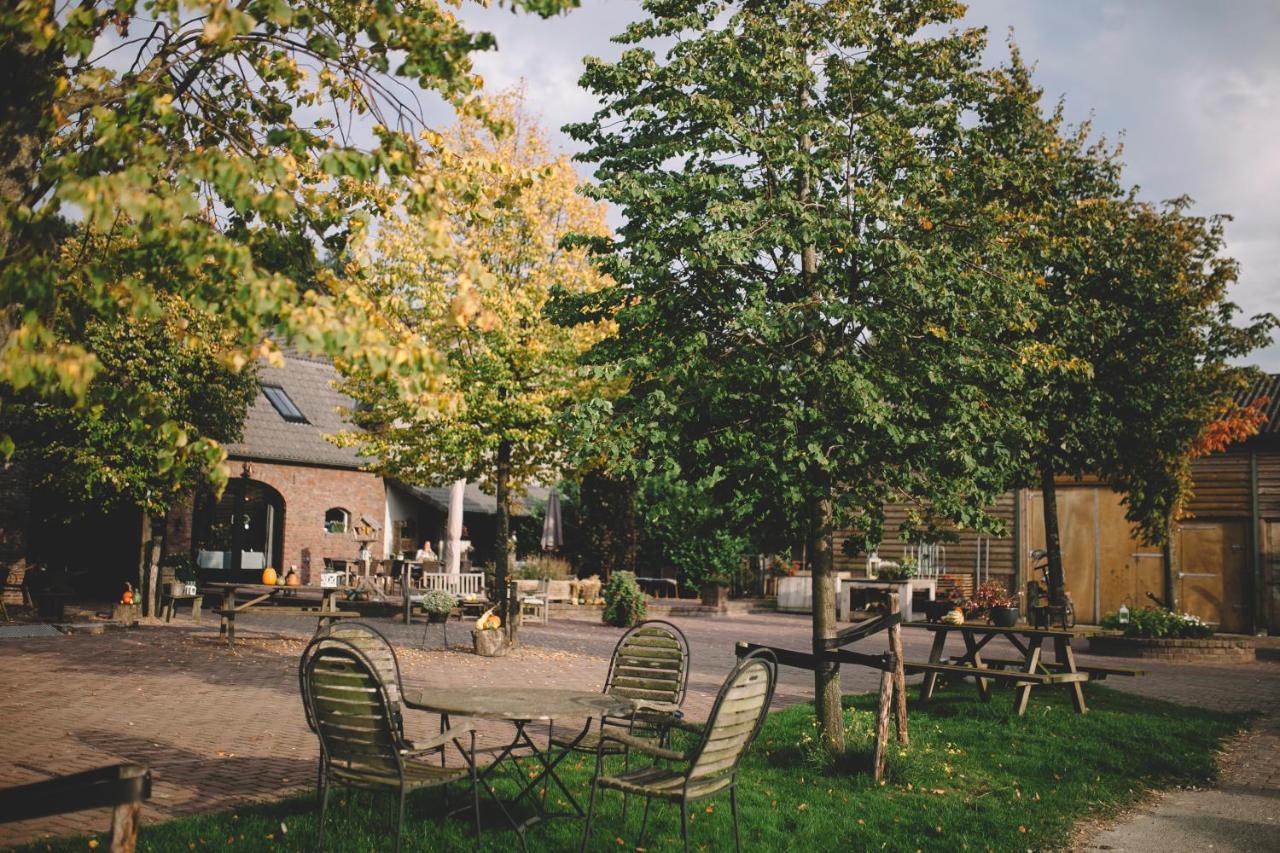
(177, 587)
(490, 643)
(437, 618)
(715, 595)
(1003, 617)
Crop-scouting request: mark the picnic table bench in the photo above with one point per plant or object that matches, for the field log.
(1026, 673)
(326, 611)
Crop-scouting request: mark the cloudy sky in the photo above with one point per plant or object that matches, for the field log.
(1193, 87)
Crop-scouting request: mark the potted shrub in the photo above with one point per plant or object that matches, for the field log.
(184, 574)
(438, 604)
(624, 603)
(902, 571)
(715, 592)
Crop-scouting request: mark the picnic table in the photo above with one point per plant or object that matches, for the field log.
(1026, 672)
(521, 706)
(326, 611)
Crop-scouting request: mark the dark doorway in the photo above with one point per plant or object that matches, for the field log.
(237, 536)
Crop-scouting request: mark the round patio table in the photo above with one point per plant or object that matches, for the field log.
(521, 706)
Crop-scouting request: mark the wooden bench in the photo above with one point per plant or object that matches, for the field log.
(229, 616)
(995, 673)
(1098, 672)
(171, 601)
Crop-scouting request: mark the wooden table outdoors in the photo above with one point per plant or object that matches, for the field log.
(230, 606)
(521, 706)
(1030, 671)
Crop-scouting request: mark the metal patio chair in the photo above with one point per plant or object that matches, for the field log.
(650, 665)
(712, 765)
(361, 742)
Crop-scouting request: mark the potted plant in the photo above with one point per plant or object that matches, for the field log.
(438, 604)
(902, 571)
(994, 602)
(715, 591)
(184, 574)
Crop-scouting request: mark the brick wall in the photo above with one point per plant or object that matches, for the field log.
(310, 491)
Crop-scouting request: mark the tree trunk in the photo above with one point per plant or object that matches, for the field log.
(501, 550)
(1166, 554)
(1052, 539)
(826, 676)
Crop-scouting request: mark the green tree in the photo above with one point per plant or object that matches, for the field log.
(806, 313)
(189, 138)
(1133, 335)
(473, 287)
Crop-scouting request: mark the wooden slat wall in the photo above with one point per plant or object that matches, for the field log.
(960, 555)
(1221, 485)
(1269, 483)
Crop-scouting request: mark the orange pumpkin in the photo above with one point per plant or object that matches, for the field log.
(269, 576)
(292, 579)
(127, 598)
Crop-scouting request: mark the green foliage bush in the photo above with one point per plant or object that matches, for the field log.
(1154, 622)
(623, 601)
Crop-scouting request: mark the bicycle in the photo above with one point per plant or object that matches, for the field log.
(1040, 611)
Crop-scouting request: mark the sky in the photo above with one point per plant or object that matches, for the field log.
(1192, 89)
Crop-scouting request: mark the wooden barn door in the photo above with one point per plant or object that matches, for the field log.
(1213, 560)
(1077, 528)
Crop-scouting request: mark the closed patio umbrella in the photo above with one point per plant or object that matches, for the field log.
(453, 544)
(552, 532)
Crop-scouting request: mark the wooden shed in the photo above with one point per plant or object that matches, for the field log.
(1224, 561)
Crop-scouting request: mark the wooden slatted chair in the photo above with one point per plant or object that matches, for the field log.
(650, 665)
(361, 743)
(711, 767)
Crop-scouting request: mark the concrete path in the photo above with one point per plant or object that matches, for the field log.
(1240, 815)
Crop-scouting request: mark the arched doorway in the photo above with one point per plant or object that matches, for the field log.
(241, 533)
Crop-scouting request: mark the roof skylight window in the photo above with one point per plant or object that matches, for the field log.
(285, 406)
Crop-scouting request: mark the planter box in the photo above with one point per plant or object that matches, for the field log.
(1210, 649)
(715, 595)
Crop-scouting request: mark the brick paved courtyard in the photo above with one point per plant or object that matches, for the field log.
(221, 728)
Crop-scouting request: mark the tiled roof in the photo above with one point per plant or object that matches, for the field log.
(474, 500)
(1268, 386)
(270, 438)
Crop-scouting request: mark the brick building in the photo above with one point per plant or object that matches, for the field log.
(296, 498)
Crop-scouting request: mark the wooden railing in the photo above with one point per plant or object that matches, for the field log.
(121, 787)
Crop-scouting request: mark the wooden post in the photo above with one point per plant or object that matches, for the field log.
(899, 673)
(882, 724)
(124, 827)
(153, 576)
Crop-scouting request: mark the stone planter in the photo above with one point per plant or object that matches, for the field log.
(1238, 650)
(1003, 617)
(715, 595)
(491, 643)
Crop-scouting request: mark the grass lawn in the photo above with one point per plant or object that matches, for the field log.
(975, 777)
